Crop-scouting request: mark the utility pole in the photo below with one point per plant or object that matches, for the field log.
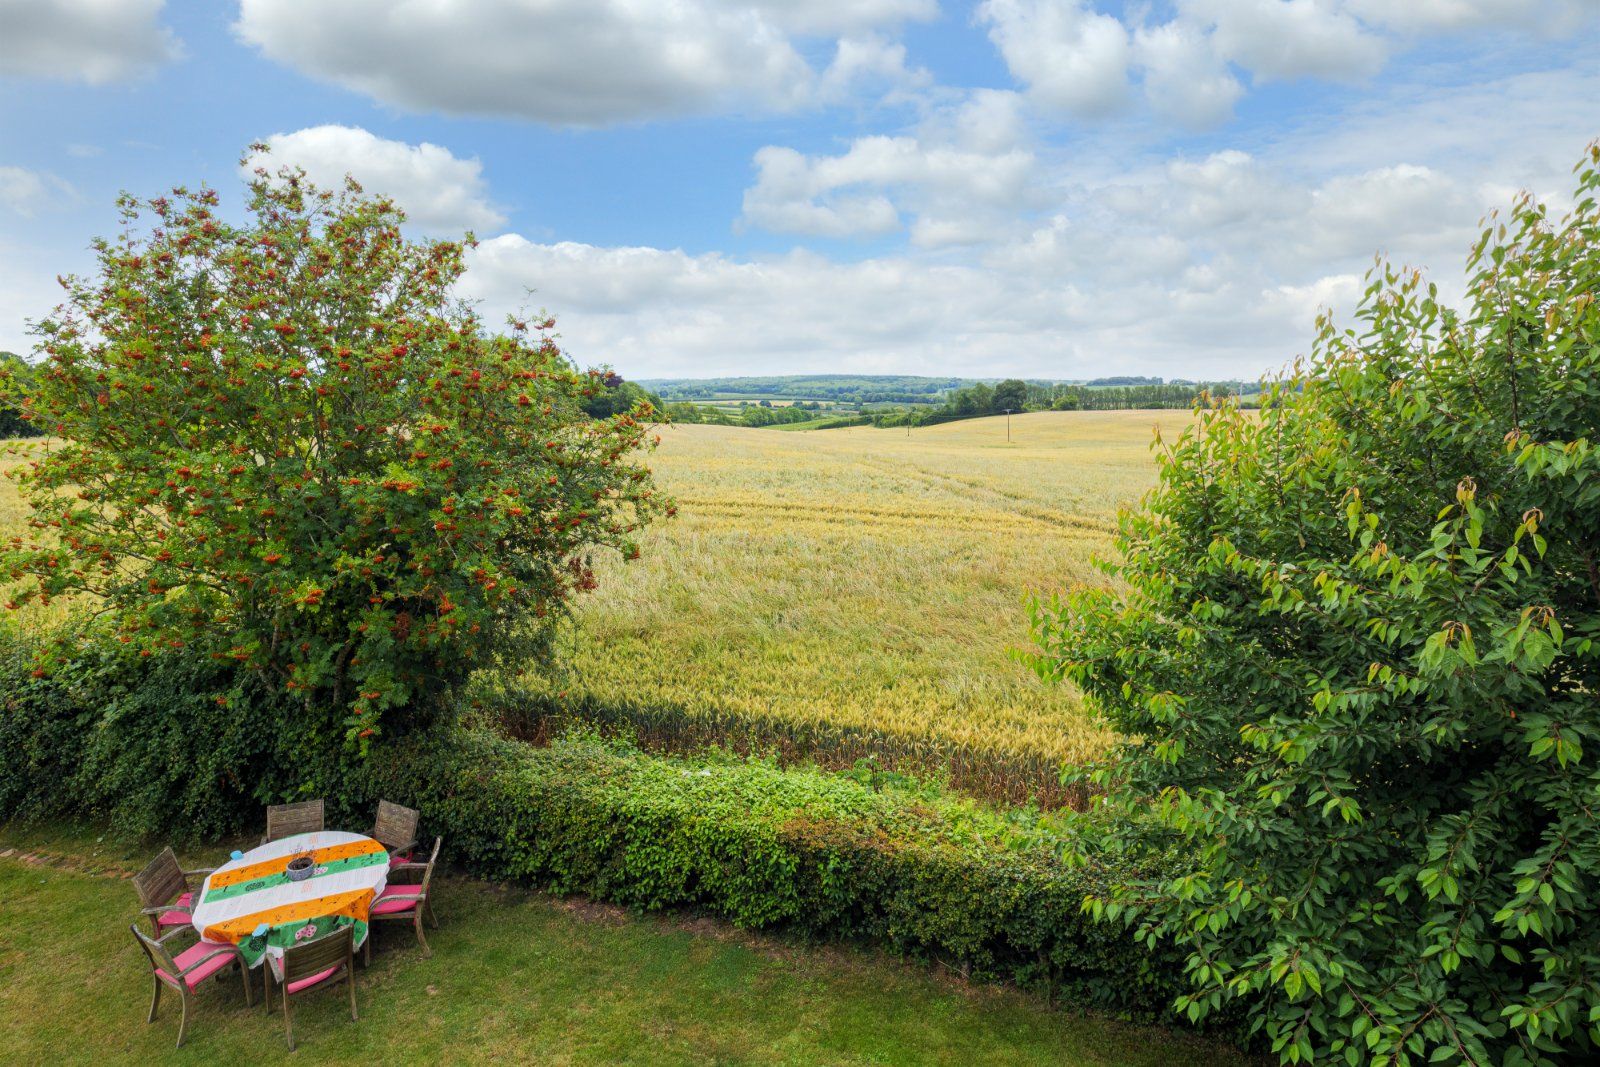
(1008, 426)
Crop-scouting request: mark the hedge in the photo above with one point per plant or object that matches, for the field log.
(853, 856)
(826, 855)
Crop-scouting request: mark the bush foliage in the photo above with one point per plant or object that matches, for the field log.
(1357, 656)
(825, 855)
(862, 856)
(285, 445)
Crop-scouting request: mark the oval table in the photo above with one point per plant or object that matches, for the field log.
(250, 902)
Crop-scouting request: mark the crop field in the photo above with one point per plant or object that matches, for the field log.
(855, 592)
(842, 594)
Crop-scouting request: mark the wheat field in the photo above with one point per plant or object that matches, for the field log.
(861, 580)
(850, 592)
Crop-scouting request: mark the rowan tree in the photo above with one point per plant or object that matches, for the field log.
(285, 444)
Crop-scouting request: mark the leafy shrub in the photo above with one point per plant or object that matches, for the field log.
(18, 377)
(824, 854)
(142, 741)
(1358, 659)
(285, 445)
(856, 856)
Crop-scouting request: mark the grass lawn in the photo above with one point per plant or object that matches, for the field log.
(515, 976)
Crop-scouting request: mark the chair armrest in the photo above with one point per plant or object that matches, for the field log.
(202, 871)
(162, 910)
(177, 931)
(410, 866)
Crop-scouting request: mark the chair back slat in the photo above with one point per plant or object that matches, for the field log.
(396, 826)
(161, 880)
(326, 951)
(287, 820)
(159, 957)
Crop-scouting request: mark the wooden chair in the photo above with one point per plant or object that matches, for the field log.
(329, 958)
(286, 820)
(187, 969)
(165, 895)
(404, 900)
(396, 830)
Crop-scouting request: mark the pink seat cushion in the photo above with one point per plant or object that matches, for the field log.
(223, 957)
(398, 858)
(388, 905)
(311, 979)
(179, 915)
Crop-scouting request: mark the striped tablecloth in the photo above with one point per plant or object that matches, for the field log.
(239, 898)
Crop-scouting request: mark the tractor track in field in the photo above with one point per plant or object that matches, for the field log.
(847, 515)
(1003, 502)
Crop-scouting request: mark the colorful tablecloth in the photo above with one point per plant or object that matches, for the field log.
(250, 902)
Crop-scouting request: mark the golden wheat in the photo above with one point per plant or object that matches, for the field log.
(862, 579)
(849, 592)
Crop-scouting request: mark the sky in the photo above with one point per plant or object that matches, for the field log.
(1042, 188)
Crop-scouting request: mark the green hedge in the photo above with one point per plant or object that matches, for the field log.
(857, 856)
(828, 855)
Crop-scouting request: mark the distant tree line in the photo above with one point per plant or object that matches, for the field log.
(1015, 395)
(852, 389)
(762, 413)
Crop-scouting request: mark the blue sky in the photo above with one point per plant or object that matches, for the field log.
(1054, 188)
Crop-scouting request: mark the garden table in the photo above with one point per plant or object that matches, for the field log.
(251, 902)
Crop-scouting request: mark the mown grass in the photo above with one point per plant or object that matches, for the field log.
(516, 977)
(863, 580)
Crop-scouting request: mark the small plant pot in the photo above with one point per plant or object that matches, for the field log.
(299, 868)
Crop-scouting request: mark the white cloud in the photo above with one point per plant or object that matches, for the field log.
(825, 17)
(954, 192)
(1410, 207)
(660, 312)
(1071, 58)
(1075, 61)
(787, 198)
(1019, 259)
(1185, 79)
(990, 121)
(27, 192)
(440, 193)
(1291, 38)
(1419, 16)
(93, 41)
(577, 62)
(867, 61)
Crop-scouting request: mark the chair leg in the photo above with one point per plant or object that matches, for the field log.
(350, 980)
(249, 996)
(432, 918)
(366, 949)
(155, 1001)
(183, 1026)
(288, 1020)
(422, 938)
